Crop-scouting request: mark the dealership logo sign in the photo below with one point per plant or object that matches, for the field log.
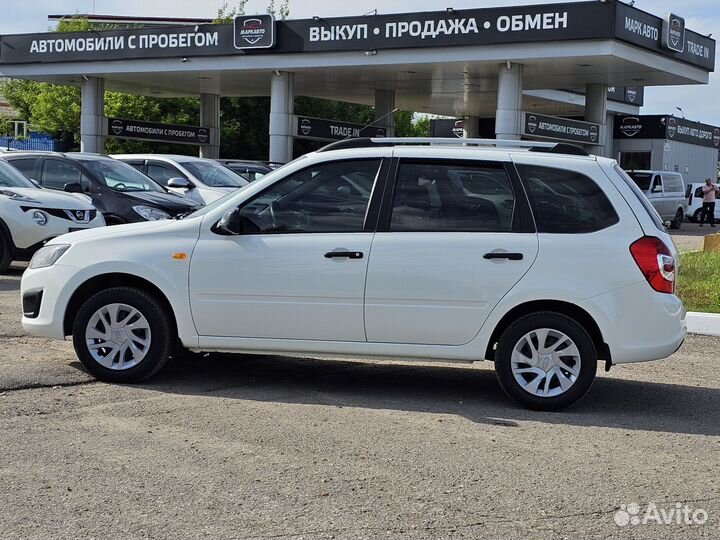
(671, 127)
(256, 32)
(203, 135)
(593, 133)
(306, 126)
(459, 129)
(716, 137)
(673, 37)
(532, 124)
(630, 126)
(117, 127)
(631, 94)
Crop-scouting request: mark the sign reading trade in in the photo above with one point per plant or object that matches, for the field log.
(552, 127)
(330, 130)
(150, 131)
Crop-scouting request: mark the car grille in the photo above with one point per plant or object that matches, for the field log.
(76, 216)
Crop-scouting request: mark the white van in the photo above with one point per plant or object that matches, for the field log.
(666, 191)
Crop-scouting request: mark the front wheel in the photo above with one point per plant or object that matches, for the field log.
(677, 222)
(123, 335)
(546, 361)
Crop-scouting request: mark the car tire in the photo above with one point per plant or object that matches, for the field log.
(139, 339)
(5, 254)
(697, 216)
(538, 375)
(677, 222)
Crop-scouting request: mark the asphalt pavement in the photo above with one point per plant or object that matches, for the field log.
(221, 446)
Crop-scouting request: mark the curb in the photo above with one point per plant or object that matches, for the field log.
(706, 324)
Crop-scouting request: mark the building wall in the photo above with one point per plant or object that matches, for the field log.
(694, 162)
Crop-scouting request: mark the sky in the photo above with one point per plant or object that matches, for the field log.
(701, 102)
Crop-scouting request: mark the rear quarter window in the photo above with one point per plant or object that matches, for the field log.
(566, 202)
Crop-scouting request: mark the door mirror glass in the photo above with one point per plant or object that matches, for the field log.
(230, 224)
(180, 183)
(657, 189)
(73, 187)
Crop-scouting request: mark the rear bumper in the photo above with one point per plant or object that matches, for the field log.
(639, 324)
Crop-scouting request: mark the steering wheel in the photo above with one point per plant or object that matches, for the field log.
(121, 187)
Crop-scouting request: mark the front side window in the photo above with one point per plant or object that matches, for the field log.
(566, 202)
(444, 197)
(327, 197)
(57, 174)
(162, 173)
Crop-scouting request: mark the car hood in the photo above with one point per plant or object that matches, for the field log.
(47, 198)
(129, 229)
(161, 200)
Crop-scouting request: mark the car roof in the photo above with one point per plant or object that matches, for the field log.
(70, 155)
(179, 158)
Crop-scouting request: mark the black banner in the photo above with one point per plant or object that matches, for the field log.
(150, 131)
(256, 32)
(472, 27)
(646, 30)
(553, 127)
(445, 128)
(670, 128)
(330, 130)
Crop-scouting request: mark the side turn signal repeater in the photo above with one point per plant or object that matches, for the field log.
(180, 256)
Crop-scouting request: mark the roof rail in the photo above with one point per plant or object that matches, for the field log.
(534, 146)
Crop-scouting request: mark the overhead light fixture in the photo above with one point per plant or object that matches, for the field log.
(450, 10)
(183, 59)
(316, 18)
(372, 52)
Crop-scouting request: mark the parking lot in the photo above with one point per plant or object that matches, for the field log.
(253, 447)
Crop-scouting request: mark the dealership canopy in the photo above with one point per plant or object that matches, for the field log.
(587, 60)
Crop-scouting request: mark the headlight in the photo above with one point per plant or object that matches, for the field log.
(48, 255)
(150, 213)
(16, 196)
(39, 217)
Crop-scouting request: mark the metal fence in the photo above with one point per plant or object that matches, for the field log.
(36, 144)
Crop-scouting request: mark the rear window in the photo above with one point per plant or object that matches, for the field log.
(566, 202)
(641, 197)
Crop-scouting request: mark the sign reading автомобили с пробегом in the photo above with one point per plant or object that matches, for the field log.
(152, 131)
(251, 35)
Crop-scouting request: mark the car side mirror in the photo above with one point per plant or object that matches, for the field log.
(231, 223)
(180, 183)
(657, 189)
(73, 187)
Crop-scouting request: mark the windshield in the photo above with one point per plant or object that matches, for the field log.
(642, 180)
(213, 174)
(11, 177)
(119, 176)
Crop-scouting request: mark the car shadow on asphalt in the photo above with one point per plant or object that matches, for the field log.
(465, 391)
(10, 280)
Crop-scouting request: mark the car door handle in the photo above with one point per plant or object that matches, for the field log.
(500, 255)
(344, 255)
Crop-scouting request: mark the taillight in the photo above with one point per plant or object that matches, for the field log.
(656, 263)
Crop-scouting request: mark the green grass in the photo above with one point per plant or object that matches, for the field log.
(699, 282)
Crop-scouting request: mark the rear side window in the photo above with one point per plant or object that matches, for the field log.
(673, 183)
(25, 166)
(566, 202)
(462, 196)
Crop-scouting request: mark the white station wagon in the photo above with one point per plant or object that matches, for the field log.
(542, 261)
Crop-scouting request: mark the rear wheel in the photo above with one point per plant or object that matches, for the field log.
(677, 222)
(5, 255)
(697, 216)
(546, 361)
(123, 335)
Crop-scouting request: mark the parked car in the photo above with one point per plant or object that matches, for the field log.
(249, 170)
(420, 266)
(202, 180)
(666, 192)
(120, 192)
(695, 202)
(30, 216)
